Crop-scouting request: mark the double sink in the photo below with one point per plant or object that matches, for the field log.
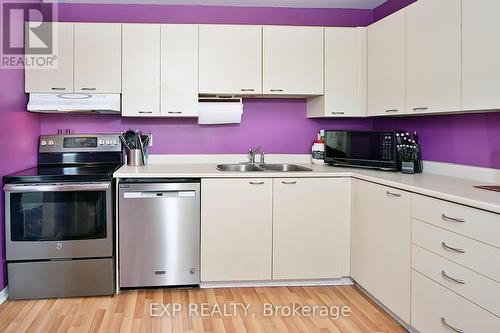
(253, 167)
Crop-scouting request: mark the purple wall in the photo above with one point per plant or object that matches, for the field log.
(19, 134)
(278, 125)
(472, 139)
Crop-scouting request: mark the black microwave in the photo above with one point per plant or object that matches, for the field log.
(366, 149)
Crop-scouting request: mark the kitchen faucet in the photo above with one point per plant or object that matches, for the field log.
(251, 155)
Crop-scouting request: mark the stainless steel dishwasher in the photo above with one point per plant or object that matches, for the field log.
(159, 232)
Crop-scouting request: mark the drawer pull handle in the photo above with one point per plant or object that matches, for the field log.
(247, 89)
(452, 219)
(288, 183)
(392, 110)
(338, 112)
(88, 89)
(145, 112)
(276, 90)
(58, 88)
(392, 194)
(449, 278)
(174, 112)
(421, 108)
(256, 183)
(448, 326)
(452, 249)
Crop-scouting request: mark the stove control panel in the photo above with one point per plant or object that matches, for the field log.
(79, 143)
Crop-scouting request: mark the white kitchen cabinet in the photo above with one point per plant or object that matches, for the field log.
(309, 225)
(380, 244)
(141, 70)
(293, 60)
(60, 78)
(98, 49)
(345, 75)
(179, 70)
(480, 52)
(230, 59)
(386, 65)
(236, 229)
(433, 56)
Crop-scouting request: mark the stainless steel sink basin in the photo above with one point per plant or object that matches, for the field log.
(284, 167)
(239, 167)
(262, 167)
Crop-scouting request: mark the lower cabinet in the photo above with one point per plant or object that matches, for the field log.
(309, 224)
(282, 229)
(380, 245)
(236, 229)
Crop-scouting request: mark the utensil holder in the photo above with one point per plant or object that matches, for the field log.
(135, 157)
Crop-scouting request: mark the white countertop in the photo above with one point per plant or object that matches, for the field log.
(439, 186)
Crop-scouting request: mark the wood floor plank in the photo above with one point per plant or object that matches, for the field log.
(129, 312)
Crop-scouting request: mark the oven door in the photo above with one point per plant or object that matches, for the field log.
(58, 221)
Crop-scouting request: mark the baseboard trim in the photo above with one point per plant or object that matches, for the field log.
(408, 327)
(4, 294)
(279, 283)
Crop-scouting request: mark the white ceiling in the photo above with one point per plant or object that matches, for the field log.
(359, 4)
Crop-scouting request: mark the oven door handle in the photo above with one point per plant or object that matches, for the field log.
(57, 187)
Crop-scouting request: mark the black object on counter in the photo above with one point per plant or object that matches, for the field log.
(409, 153)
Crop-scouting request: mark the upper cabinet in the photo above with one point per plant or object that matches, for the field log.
(88, 60)
(345, 75)
(481, 54)
(60, 78)
(230, 59)
(141, 70)
(179, 70)
(433, 56)
(293, 60)
(98, 66)
(386, 65)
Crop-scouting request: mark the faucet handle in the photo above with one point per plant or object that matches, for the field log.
(262, 158)
(254, 151)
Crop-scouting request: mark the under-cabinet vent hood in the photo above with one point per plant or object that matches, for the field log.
(219, 110)
(74, 103)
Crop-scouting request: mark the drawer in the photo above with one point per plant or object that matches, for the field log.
(477, 256)
(471, 285)
(433, 307)
(470, 222)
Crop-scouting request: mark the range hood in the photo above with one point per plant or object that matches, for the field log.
(74, 103)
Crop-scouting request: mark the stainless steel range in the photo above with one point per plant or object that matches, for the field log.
(59, 219)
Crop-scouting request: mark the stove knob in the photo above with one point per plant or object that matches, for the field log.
(101, 141)
(51, 142)
(43, 143)
(115, 142)
(108, 141)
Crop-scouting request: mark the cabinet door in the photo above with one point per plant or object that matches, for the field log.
(230, 59)
(98, 51)
(60, 78)
(293, 60)
(480, 51)
(380, 245)
(345, 75)
(309, 223)
(386, 65)
(433, 56)
(179, 70)
(141, 70)
(236, 229)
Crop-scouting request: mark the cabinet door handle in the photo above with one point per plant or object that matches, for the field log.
(421, 108)
(452, 249)
(88, 89)
(448, 326)
(338, 112)
(452, 219)
(256, 183)
(392, 194)
(289, 183)
(276, 90)
(174, 112)
(145, 112)
(58, 88)
(392, 110)
(247, 89)
(449, 278)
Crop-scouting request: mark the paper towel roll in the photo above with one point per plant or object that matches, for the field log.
(220, 111)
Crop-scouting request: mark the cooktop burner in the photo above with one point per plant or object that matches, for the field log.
(495, 188)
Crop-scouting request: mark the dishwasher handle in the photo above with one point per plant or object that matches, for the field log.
(158, 194)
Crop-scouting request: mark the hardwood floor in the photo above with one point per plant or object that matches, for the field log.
(131, 311)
